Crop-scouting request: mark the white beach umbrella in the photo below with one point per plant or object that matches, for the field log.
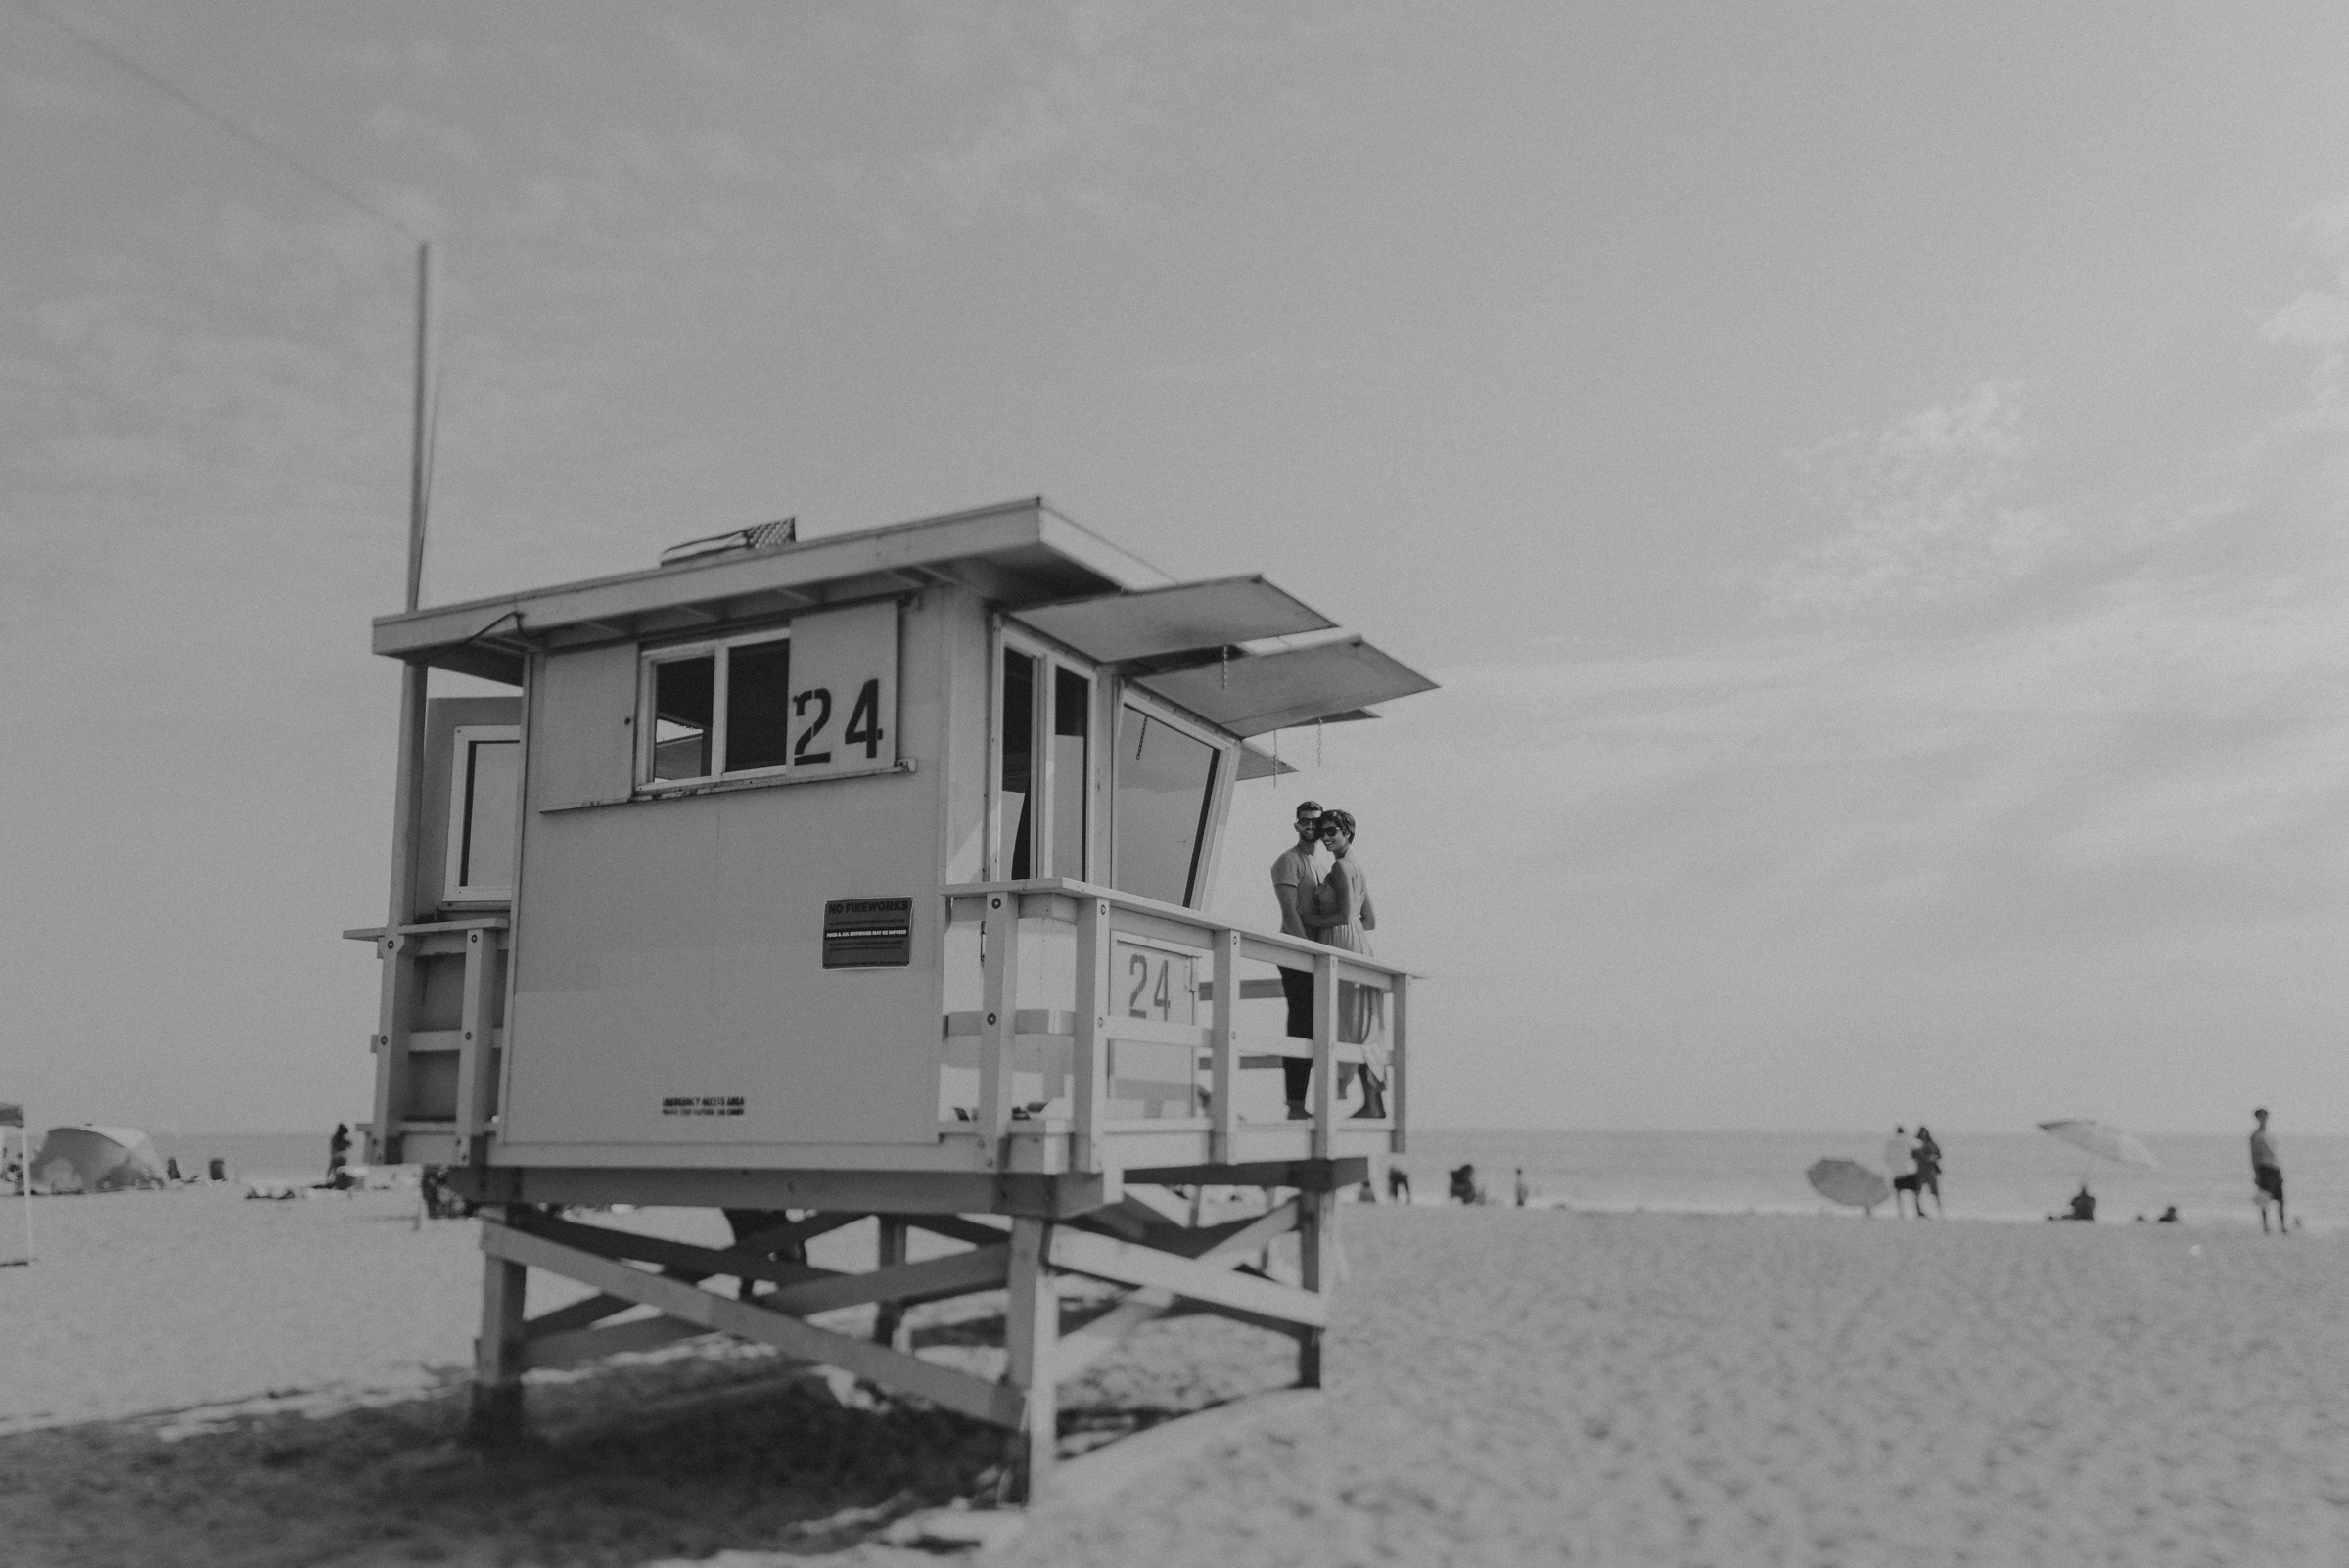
(2103, 1139)
(1850, 1184)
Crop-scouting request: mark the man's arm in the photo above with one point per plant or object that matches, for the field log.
(1292, 923)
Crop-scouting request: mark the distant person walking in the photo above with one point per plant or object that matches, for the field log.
(1928, 1172)
(1296, 878)
(1899, 1162)
(1342, 915)
(2266, 1174)
(1522, 1191)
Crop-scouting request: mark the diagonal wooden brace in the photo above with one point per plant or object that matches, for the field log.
(1192, 1279)
(997, 1403)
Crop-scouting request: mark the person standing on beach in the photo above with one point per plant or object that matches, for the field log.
(1341, 914)
(1296, 878)
(1928, 1172)
(2266, 1174)
(1899, 1162)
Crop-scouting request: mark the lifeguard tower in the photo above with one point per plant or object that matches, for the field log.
(863, 877)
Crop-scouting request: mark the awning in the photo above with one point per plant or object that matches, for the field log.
(1255, 763)
(1260, 692)
(1189, 617)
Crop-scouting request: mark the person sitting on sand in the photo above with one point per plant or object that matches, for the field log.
(2084, 1206)
(1399, 1184)
(2169, 1215)
(1464, 1184)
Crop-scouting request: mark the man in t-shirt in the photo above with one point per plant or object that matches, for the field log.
(1899, 1162)
(1295, 876)
(2267, 1172)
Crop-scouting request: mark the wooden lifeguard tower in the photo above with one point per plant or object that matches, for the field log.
(863, 877)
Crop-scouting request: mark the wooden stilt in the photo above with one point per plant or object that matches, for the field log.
(1316, 1240)
(1032, 1332)
(498, 1355)
(889, 1319)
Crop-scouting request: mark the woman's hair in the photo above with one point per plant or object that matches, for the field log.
(1343, 821)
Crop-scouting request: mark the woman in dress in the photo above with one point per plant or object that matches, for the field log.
(1341, 916)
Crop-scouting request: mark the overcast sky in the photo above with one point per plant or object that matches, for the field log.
(1869, 479)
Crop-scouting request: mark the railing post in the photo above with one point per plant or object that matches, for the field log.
(998, 1035)
(1325, 1052)
(475, 1082)
(1089, 1093)
(395, 1016)
(1398, 1060)
(1224, 1108)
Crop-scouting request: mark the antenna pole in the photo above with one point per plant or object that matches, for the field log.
(420, 451)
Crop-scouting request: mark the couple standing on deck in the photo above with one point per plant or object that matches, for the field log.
(1331, 906)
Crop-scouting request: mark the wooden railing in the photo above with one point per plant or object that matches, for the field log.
(1085, 1034)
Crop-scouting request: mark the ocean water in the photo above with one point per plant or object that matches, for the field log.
(1986, 1176)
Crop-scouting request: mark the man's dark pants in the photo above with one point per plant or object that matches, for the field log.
(1297, 1072)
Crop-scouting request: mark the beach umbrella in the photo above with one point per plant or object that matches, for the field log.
(1850, 1184)
(2104, 1141)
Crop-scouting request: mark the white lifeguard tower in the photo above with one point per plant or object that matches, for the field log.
(863, 877)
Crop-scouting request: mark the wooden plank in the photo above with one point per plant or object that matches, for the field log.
(1325, 1041)
(698, 1262)
(956, 1227)
(1230, 1243)
(1090, 1048)
(957, 1390)
(1316, 1239)
(888, 1252)
(942, 1190)
(1307, 1175)
(1250, 989)
(498, 1350)
(1031, 1334)
(1223, 1101)
(477, 1086)
(1182, 933)
(999, 969)
(1126, 1264)
(578, 1314)
(1029, 1020)
(955, 1274)
(1157, 1031)
(1400, 1071)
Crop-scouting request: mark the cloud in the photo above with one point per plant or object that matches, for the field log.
(1932, 507)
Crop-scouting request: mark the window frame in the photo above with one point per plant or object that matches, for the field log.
(1050, 799)
(1199, 880)
(462, 739)
(720, 650)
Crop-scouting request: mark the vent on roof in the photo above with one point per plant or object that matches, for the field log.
(740, 541)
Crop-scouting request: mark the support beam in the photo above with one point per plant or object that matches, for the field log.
(993, 1403)
(1189, 1279)
(888, 1319)
(1305, 1175)
(1316, 1247)
(1032, 1334)
(499, 1353)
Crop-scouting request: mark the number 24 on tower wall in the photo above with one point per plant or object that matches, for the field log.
(862, 731)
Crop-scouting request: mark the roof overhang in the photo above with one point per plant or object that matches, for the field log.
(1257, 692)
(1016, 555)
(1158, 629)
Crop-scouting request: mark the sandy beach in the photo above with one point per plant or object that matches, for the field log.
(1506, 1386)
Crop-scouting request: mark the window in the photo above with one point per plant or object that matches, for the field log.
(1166, 786)
(1043, 764)
(1015, 793)
(1072, 769)
(482, 781)
(715, 709)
